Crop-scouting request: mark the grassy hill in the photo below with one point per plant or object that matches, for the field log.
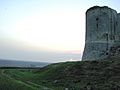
(82, 75)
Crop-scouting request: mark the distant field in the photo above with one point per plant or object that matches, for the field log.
(97, 75)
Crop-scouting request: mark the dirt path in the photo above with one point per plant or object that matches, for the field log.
(37, 85)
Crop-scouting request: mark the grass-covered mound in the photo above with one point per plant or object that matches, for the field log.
(82, 75)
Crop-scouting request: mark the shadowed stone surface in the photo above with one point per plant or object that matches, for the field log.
(102, 33)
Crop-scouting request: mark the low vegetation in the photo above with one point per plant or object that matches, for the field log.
(82, 75)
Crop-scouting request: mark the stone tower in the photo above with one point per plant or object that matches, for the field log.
(102, 32)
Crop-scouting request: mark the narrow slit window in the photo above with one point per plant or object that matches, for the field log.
(97, 22)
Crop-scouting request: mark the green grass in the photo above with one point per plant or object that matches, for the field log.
(16, 79)
(7, 83)
(99, 75)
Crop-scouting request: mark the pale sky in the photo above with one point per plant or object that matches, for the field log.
(45, 30)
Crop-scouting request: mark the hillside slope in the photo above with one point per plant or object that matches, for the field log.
(100, 75)
(82, 75)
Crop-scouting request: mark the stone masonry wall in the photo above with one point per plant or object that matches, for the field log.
(102, 32)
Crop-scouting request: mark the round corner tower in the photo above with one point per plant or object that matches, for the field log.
(100, 32)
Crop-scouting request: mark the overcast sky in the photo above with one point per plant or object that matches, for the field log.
(45, 30)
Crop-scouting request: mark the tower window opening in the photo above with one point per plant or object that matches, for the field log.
(97, 21)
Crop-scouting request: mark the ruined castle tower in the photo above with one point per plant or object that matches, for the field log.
(102, 33)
